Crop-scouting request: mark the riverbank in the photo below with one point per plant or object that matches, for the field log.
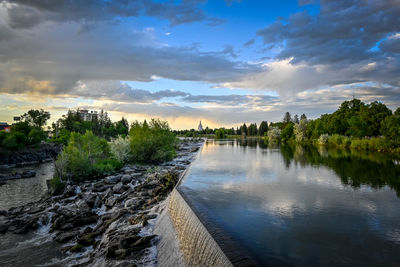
(46, 152)
(108, 221)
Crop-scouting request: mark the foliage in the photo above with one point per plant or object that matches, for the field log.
(14, 141)
(220, 133)
(57, 185)
(323, 139)
(300, 130)
(101, 125)
(263, 128)
(287, 133)
(120, 148)
(86, 155)
(153, 142)
(274, 135)
(391, 126)
(35, 136)
(36, 118)
(252, 129)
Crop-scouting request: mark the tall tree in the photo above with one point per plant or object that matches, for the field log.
(263, 128)
(36, 118)
(287, 118)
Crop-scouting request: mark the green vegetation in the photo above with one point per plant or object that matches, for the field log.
(220, 133)
(100, 125)
(355, 125)
(86, 155)
(27, 132)
(152, 142)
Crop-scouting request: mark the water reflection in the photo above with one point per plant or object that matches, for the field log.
(301, 205)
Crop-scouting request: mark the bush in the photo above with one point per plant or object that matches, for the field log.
(63, 137)
(57, 185)
(323, 139)
(86, 155)
(35, 136)
(14, 141)
(120, 148)
(220, 133)
(360, 144)
(274, 135)
(153, 142)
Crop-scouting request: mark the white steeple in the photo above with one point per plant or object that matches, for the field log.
(200, 128)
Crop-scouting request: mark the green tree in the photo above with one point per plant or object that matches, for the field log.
(391, 127)
(36, 118)
(263, 128)
(287, 132)
(287, 118)
(357, 127)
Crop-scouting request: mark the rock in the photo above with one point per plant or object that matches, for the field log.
(28, 174)
(126, 179)
(90, 199)
(76, 248)
(136, 174)
(142, 243)
(118, 188)
(112, 179)
(126, 242)
(65, 237)
(3, 227)
(69, 191)
(131, 203)
(86, 239)
(110, 202)
(66, 227)
(121, 254)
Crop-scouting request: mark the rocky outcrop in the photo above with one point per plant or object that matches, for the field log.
(44, 153)
(113, 216)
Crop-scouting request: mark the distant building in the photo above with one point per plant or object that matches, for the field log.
(200, 128)
(3, 126)
(85, 115)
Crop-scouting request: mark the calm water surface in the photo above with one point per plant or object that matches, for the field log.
(301, 206)
(21, 191)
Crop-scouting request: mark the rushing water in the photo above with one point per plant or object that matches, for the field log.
(300, 206)
(21, 191)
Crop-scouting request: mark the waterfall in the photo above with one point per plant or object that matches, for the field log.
(196, 243)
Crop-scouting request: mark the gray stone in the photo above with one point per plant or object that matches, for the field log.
(118, 188)
(112, 179)
(126, 179)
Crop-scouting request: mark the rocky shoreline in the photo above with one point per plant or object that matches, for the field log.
(46, 152)
(108, 221)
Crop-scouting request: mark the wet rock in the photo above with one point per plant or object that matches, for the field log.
(65, 237)
(66, 227)
(90, 199)
(3, 227)
(28, 174)
(126, 179)
(121, 254)
(142, 243)
(112, 179)
(76, 248)
(118, 188)
(86, 239)
(110, 202)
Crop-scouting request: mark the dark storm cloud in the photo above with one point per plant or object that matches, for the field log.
(343, 31)
(391, 45)
(30, 13)
(231, 99)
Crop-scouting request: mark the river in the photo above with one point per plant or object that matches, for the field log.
(21, 191)
(300, 206)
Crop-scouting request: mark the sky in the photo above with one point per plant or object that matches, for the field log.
(221, 62)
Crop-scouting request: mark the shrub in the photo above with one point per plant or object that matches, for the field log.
(120, 148)
(220, 133)
(14, 141)
(63, 137)
(274, 135)
(300, 130)
(57, 185)
(153, 142)
(35, 136)
(361, 144)
(323, 139)
(335, 140)
(86, 155)
(287, 132)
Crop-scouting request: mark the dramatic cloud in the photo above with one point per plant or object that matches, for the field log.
(26, 14)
